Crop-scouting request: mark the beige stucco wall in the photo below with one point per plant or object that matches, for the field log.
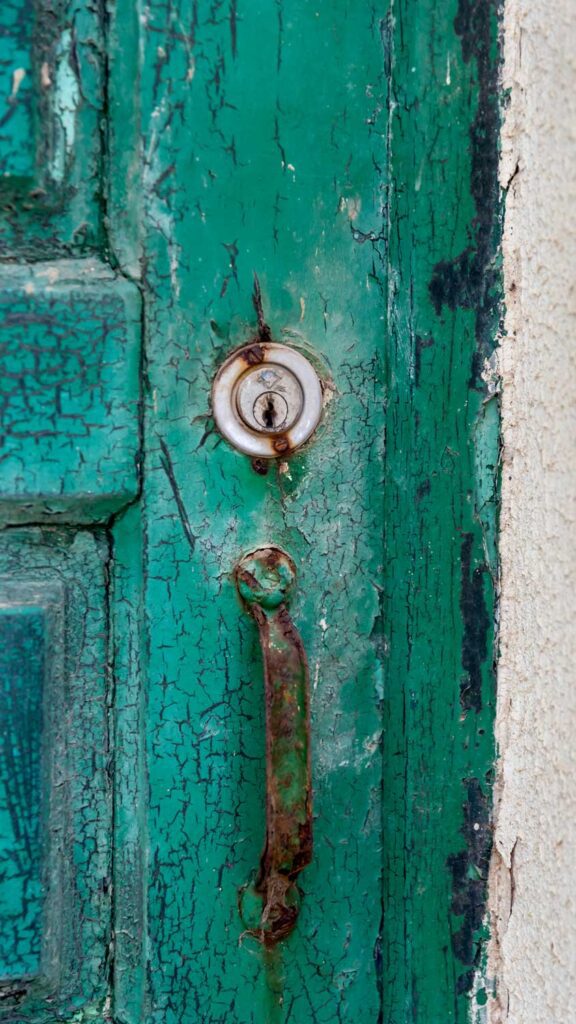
(533, 884)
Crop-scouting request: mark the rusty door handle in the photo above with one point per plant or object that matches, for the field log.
(264, 579)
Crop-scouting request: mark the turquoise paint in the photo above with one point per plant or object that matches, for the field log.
(22, 665)
(58, 579)
(70, 363)
(51, 144)
(239, 207)
(16, 90)
(66, 102)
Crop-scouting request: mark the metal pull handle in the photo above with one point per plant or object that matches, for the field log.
(264, 579)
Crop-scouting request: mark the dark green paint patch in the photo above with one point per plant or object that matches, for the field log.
(457, 282)
(476, 623)
(469, 870)
(472, 279)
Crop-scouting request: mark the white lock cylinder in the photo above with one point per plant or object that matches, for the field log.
(267, 399)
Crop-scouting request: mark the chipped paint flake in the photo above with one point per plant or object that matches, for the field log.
(66, 101)
(45, 75)
(18, 76)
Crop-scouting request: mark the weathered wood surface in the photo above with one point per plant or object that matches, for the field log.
(255, 162)
(347, 156)
(440, 507)
(52, 106)
(69, 392)
(272, 157)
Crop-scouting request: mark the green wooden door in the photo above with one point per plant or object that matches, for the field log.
(180, 178)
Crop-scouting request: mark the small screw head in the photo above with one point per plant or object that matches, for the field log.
(281, 445)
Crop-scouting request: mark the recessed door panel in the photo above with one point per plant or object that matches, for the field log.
(55, 801)
(22, 668)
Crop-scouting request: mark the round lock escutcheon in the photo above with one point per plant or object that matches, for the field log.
(267, 400)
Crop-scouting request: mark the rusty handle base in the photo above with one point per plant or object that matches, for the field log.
(264, 579)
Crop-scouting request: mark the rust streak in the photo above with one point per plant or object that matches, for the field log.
(253, 354)
(264, 332)
(263, 579)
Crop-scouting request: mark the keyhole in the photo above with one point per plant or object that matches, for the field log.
(270, 411)
(269, 414)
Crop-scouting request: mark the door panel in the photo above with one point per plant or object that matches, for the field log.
(70, 355)
(55, 797)
(239, 180)
(70, 368)
(23, 653)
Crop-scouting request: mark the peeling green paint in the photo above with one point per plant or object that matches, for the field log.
(52, 148)
(347, 156)
(66, 100)
(441, 500)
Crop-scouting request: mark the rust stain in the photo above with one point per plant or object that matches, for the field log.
(260, 466)
(263, 579)
(264, 332)
(281, 445)
(253, 354)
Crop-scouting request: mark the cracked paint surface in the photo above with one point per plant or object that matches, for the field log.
(339, 162)
(69, 391)
(245, 169)
(52, 102)
(55, 583)
(248, 168)
(440, 507)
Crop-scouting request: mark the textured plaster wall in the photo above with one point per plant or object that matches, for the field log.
(533, 883)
